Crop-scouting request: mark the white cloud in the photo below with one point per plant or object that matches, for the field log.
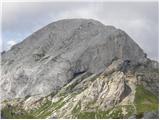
(10, 44)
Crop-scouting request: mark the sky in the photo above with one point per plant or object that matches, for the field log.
(138, 19)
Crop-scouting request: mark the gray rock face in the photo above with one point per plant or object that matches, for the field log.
(150, 115)
(148, 75)
(52, 56)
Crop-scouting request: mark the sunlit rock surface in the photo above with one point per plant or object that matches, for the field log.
(78, 68)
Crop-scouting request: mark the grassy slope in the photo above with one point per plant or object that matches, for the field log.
(12, 113)
(42, 112)
(115, 113)
(145, 101)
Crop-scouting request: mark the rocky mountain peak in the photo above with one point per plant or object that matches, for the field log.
(53, 55)
(79, 63)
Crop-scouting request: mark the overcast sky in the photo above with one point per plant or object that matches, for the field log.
(138, 19)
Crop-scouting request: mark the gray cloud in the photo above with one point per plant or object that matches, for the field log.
(138, 19)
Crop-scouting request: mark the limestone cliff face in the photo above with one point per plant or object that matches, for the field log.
(122, 90)
(51, 57)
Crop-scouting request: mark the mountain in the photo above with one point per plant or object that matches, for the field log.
(78, 68)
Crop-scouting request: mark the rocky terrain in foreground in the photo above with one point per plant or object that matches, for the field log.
(78, 68)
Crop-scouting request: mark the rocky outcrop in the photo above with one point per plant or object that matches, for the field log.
(150, 115)
(51, 57)
(112, 95)
(104, 92)
(148, 75)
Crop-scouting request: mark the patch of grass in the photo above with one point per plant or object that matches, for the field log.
(45, 110)
(145, 101)
(76, 109)
(86, 115)
(41, 109)
(52, 94)
(114, 113)
(10, 112)
(70, 87)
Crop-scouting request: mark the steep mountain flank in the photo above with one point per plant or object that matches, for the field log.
(115, 95)
(49, 58)
(78, 68)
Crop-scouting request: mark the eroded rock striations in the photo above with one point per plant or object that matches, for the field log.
(78, 68)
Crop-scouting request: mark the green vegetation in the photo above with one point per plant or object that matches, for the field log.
(76, 109)
(14, 112)
(41, 111)
(145, 101)
(71, 86)
(115, 113)
(46, 109)
(52, 94)
(10, 112)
